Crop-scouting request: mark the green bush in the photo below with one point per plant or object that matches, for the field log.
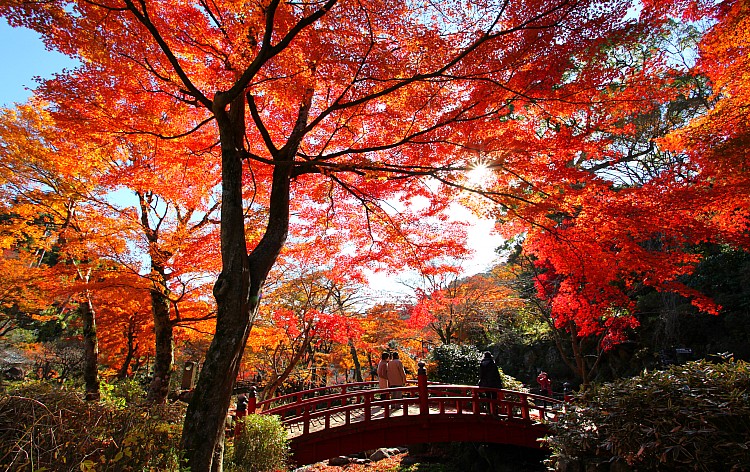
(261, 445)
(43, 427)
(122, 392)
(454, 364)
(694, 416)
(459, 365)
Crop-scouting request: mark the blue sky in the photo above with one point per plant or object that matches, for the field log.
(24, 57)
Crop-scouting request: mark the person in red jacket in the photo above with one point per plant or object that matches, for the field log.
(545, 385)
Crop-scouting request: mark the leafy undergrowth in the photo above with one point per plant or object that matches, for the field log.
(44, 427)
(396, 463)
(694, 416)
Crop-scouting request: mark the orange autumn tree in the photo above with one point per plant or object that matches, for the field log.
(170, 224)
(55, 197)
(343, 106)
(459, 309)
(164, 195)
(125, 330)
(175, 228)
(305, 307)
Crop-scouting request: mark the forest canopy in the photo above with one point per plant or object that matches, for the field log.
(275, 151)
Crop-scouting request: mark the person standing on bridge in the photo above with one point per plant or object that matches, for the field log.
(383, 372)
(489, 374)
(545, 384)
(396, 374)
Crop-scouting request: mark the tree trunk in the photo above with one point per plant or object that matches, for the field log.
(355, 359)
(90, 350)
(132, 348)
(164, 355)
(237, 289)
(273, 386)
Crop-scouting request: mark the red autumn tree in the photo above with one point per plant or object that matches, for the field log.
(615, 212)
(304, 308)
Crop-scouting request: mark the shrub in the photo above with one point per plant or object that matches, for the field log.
(694, 416)
(454, 364)
(121, 393)
(261, 445)
(47, 428)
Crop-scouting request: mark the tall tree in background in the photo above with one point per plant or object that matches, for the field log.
(54, 198)
(458, 309)
(335, 107)
(300, 312)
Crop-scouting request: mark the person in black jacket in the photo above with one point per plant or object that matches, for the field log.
(489, 374)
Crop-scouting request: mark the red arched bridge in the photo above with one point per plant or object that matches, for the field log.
(349, 418)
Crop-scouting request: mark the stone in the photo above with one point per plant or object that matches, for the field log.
(379, 455)
(339, 461)
(567, 465)
(14, 373)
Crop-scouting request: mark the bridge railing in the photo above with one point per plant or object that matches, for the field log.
(345, 404)
(271, 405)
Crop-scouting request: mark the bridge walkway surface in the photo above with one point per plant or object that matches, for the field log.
(349, 418)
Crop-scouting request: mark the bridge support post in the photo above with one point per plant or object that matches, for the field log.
(424, 407)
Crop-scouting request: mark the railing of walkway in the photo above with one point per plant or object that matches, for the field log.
(338, 405)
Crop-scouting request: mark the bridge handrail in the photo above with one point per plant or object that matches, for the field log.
(327, 399)
(506, 400)
(305, 395)
(299, 397)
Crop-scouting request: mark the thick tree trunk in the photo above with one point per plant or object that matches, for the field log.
(237, 290)
(91, 350)
(164, 356)
(205, 417)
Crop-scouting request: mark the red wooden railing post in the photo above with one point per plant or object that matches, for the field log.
(524, 406)
(306, 419)
(475, 401)
(368, 407)
(424, 407)
(252, 400)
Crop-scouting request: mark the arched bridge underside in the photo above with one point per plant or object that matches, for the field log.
(350, 418)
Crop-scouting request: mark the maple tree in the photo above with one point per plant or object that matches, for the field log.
(614, 212)
(455, 309)
(49, 207)
(300, 313)
(337, 112)
(81, 224)
(716, 142)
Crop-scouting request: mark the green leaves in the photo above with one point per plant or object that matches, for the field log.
(695, 416)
